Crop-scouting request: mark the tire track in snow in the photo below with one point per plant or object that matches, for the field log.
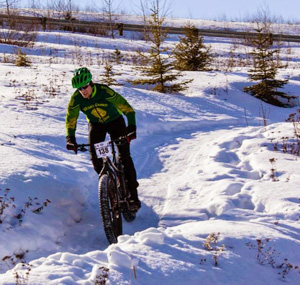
(201, 178)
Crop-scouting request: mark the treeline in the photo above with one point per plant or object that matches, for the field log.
(161, 67)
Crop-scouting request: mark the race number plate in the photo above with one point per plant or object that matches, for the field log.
(102, 149)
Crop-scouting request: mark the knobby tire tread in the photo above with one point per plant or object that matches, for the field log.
(112, 222)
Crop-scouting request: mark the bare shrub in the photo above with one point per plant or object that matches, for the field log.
(290, 144)
(9, 212)
(22, 269)
(211, 244)
(266, 254)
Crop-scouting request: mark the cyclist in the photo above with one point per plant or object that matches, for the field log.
(104, 109)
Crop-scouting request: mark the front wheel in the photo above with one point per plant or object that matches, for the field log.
(110, 212)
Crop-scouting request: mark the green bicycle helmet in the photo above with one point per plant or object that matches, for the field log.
(82, 76)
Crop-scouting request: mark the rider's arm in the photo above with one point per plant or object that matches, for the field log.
(72, 116)
(121, 104)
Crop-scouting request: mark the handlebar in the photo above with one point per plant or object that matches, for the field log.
(82, 147)
(120, 140)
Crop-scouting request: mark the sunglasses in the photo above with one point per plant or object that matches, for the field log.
(84, 87)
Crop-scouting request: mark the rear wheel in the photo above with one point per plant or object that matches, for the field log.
(110, 212)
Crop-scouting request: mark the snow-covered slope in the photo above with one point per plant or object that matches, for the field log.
(219, 205)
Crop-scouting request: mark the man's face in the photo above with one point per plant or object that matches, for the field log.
(86, 91)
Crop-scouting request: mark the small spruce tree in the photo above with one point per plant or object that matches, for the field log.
(158, 65)
(265, 68)
(108, 77)
(117, 56)
(21, 59)
(191, 54)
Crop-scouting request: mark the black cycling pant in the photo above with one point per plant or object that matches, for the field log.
(116, 128)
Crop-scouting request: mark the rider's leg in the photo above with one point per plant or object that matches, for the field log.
(116, 129)
(97, 133)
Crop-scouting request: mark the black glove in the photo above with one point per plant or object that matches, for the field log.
(131, 132)
(71, 143)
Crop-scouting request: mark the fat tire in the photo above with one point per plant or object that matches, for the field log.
(111, 220)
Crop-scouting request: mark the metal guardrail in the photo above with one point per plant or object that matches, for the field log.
(74, 24)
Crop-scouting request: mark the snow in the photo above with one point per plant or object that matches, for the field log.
(206, 166)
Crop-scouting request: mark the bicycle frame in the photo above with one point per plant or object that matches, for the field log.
(110, 166)
(115, 168)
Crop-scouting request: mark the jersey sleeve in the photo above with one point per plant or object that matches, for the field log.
(121, 104)
(72, 116)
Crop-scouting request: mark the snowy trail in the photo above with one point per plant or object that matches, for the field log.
(201, 170)
(209, 178)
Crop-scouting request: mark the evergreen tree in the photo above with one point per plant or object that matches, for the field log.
(265, 68)
(191, 54)
(158, 65)
(108, 77)
(21, 59)
(117, 57)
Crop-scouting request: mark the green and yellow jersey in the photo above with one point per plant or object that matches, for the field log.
(104, 106)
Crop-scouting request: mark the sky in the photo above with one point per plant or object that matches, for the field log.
(212, 10)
